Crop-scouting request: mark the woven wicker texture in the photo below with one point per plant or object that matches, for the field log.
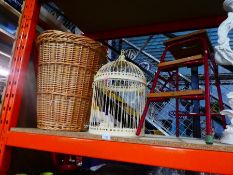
(66, 68)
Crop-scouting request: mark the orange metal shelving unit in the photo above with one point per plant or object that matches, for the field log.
(173, 157)
(20, 60)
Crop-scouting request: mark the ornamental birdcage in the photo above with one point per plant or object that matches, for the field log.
(118, 98)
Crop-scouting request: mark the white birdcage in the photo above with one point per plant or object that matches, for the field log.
(118, 98)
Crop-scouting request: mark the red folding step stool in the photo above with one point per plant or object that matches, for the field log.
(189, 50)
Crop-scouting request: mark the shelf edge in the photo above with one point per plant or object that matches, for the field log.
(178, 158)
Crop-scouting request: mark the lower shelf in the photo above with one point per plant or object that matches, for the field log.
(188, 154)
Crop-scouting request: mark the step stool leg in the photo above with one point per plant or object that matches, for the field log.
(177, 119)
(155, 81)
(196, 103)
(158, 71)
(217, 82)
(209, 137)
(141, 122)
(177, 106)
(151, 91)
(143, 118)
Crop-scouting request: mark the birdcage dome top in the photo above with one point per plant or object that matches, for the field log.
(121, 69)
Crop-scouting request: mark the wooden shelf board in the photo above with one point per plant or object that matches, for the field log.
(190, 154)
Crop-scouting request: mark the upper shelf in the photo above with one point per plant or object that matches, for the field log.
(107, 19)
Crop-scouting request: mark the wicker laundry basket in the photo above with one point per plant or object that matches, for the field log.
(66, 68)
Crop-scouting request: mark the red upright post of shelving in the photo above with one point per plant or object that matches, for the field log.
(20, 59)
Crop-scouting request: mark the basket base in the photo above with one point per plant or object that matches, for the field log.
(59, 128)
(121, 132)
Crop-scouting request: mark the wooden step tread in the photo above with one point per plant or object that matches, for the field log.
(174, 94)
(201, 33)
(181, 61)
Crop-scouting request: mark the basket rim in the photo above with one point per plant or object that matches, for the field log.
(67, 37)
